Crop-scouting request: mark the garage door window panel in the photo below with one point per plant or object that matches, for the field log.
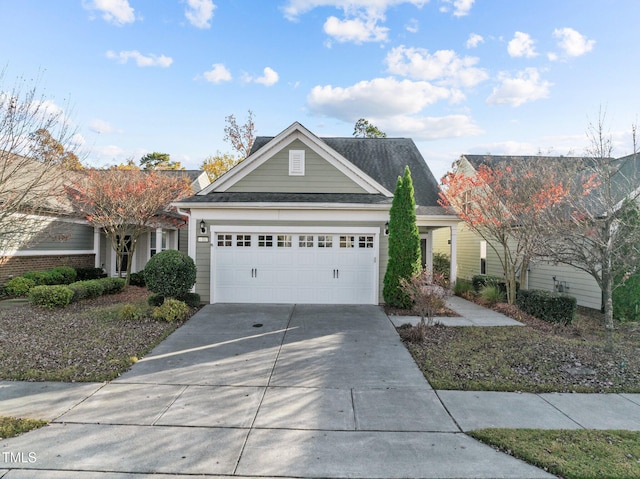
(265, 241)
(284, 241)
(347, 241)
(225, 240)
(325, 241)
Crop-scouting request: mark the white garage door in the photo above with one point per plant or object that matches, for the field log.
(295, 267)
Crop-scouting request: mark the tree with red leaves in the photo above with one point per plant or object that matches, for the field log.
(504, 202)
(128, 203)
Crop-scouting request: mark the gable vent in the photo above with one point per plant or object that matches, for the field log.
(296, 162)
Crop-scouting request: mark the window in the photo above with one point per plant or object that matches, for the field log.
(483, 257)
(243, 240)
(296, 162)
(365, 242)
(284, 241)
(265, 241)
(325, 241)
(225, 240)
(153, 249)
(305, 241)
(347, 241)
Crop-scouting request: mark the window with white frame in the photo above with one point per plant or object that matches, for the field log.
(243, 240)
(347, 241)
(305, 241)
(153, 242)
(265, 241)
(284, 241)
(325, 241)
(225, 240)
(365, 241)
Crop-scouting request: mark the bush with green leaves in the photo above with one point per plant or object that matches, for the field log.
(50, 296)
(63, 274)
(626, 300)
(170, 273)
(442, 265)
(155, 300)
(112, 285)
(93, 288)
(132, 312)
(547, 305)
(19, 286)
(79, 291)
(84, 274)
(137, 279)
(171, 310)
(492, 294)
(40, 278)
(191, 299)
(463, 288)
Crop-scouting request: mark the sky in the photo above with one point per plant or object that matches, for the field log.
(519, 77)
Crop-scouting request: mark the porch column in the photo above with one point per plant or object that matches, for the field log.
(428, 250)
(97, 261)
(453, 255)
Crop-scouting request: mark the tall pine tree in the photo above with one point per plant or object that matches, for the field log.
(404, 243)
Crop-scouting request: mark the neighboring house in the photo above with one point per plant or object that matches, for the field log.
(61, 237)
(304, 219)
(475, 256)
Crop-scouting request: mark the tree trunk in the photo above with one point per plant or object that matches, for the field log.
(607, 292)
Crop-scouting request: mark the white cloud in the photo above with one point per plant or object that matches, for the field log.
(270, 77)
(513, 148)
(117, 12)
(443, 66)
(522, 45)
(461, 8)
(429, 128)
(526, 86)
(474, 40)
(572, 42)
(101, 126)
(357, 30)
(413, 26)
(295, 8)
(199, 12)
(377, 98)
(77, 140)
(218, 74)
(140, 59)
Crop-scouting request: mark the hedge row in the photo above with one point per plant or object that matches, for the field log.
(547, 305)
(59, 296)
(60, 275)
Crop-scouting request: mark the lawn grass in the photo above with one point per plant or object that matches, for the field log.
(11, 426)
(571, 454)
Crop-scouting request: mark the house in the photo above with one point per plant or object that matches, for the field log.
(58, 236)
(304, 219)
(475, 256)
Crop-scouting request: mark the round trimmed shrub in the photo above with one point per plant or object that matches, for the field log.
(191, 299)
(155, 300)
(19, 286)
(112, 285)
(64, 274)
(79, 291)
(170, 273)
(55, 296)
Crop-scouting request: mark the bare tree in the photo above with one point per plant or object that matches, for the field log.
(35, 152)
(597, 230)
(241, 137)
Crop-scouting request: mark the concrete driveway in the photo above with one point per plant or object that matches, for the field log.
(264, 390)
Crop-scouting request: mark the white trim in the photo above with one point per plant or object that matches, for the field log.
(365, 230)
(296, 132)
(296, 162)
(287, 206)
(47, 252)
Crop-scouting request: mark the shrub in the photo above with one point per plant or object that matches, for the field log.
(79, 291)
(492, 294)
(463, 288)
(547, 305)
(427, 293)
(53, 296)
(112, 285)
(170, 273)
(84, 274)
(413, 334)
(137, 279)
(191, 299)
(442, 265)
(93, 287)
(40, 278)
(131, 312)
(155, 300)
(171, 310)
(479, 281)
(64, 274)
(626, 300)
(19, 286)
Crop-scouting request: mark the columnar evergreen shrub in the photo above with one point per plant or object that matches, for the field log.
(547, 305)
(50, 296)
(404, 243)
(626, 300)
(170, 273)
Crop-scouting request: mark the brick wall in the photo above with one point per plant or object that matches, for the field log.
(11, 266)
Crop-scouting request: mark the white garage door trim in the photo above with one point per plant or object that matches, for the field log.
(263, 273)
